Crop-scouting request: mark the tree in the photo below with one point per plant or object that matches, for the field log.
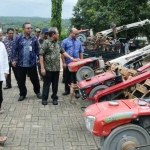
(56, 14)
(100, 14)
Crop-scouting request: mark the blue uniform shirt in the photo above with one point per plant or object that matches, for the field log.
(25, 51)
(73, 47)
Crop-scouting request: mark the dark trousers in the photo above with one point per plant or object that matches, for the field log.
(1, 94)
(63, 75)
(69, 77)
(50, 77)
(22, 72)
(39, 70)
(8, 79)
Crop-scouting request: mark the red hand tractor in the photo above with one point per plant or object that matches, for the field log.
(120, 124)
(110, 85)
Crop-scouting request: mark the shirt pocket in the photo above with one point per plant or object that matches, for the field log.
(77, 48)
(68, 46)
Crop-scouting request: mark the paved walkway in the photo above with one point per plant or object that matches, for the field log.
(32, 126)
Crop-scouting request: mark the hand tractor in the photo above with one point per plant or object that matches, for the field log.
(120, 124)
(89, 67)
(110, 85)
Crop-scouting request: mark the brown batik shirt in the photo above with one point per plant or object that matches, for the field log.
(51, 54)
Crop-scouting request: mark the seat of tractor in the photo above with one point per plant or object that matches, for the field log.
(127, 73)
(144, 89)
(132, 72)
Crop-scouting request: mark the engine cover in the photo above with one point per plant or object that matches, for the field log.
(115, 113)
(74, 66)
(96, 80)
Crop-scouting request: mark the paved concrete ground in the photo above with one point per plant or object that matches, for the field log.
(31, 126)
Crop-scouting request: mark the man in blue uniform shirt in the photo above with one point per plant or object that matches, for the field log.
(73, 47)
(25, 52)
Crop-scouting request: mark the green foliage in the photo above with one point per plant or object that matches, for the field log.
(100, 14)
(17, 22)
(56, 14)
(63, 36)
(20, 30)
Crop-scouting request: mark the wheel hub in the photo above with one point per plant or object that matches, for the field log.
(127, 137)
(85, 75)
(128, 143)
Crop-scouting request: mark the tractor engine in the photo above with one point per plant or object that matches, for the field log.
(90, 86)
(144, 121)
(87, 68)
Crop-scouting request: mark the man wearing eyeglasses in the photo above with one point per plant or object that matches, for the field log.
(74, 48)
(50, 65)
(8, 41)
(26, 47)
(37, 33)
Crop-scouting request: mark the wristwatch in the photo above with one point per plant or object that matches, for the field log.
(71, 58)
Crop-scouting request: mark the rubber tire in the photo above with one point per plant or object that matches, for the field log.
(111, 139)
(97, 89)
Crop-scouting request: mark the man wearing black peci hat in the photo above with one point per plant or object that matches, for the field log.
(44, 35)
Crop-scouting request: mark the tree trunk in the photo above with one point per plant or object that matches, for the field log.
(56, 14)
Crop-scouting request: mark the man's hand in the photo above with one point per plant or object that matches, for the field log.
(14, 64)
(64, 66)
(75, 59)
(38, 62)
(43, 72)
(78, 59)
(5, 75)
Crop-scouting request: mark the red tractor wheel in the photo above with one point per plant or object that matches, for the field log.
(127, 137)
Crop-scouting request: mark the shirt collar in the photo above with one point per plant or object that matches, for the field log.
(52, 40)
(72, 38)
(9, 39)
(25, 37)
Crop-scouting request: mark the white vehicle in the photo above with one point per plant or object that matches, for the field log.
(104, 34)
(135, 57)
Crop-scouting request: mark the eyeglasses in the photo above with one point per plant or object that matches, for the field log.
(29, 28)
(10, 33)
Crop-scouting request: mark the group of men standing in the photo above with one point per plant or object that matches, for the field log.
(26, 52)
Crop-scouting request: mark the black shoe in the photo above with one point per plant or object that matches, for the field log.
(21, 98)
(77, 95)
(7, 87)
(39, 95)
(55, 102)
(44, 102)
(66, 93)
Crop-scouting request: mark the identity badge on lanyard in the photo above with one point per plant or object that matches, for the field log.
(30, 47)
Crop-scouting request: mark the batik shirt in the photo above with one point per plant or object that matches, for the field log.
(27, 51)
(8, 45)
(51, 53)
(73, 47)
